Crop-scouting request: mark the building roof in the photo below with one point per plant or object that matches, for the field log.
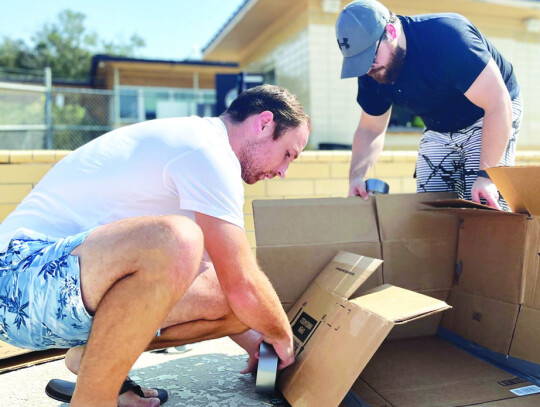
(246, 25)
(256, 22)
(155, 72)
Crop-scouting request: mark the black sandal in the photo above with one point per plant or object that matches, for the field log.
(62, 390)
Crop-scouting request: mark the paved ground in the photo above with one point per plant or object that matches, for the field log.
(205, 375)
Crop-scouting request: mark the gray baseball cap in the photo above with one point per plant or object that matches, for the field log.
(358, 28)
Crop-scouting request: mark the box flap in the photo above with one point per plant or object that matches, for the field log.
(491, 257)
(419, 247)
(291, 269)
(399, 217)
(462, 207)
(458, 203)
(346, 273)
(399, 305)
(286, 222)
(519, 186)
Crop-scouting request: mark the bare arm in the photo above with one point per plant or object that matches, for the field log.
(367, 146)
(489, 92)
(247, 289)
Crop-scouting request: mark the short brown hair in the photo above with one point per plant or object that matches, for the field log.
(287, 110)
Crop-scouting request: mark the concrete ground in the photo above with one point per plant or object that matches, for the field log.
(205, 375)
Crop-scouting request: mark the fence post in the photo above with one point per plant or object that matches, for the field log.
(48, 108)
(116, 98)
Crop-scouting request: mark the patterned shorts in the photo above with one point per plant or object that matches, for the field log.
(450, 161)
(40, 294)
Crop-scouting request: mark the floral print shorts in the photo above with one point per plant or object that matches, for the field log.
(40, 294)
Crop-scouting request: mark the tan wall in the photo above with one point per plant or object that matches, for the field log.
(316, 174)
(302, 49)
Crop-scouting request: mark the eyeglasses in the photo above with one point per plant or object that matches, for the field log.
(378, 45)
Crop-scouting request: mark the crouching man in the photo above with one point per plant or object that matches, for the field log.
(140, 231)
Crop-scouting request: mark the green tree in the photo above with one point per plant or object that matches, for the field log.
(65, 45)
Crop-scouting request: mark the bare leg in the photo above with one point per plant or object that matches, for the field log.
(201, 314)
(132, 273)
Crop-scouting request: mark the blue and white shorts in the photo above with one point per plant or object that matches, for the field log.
(41, 305)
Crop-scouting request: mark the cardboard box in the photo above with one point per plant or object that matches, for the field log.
(486, 262)
(429, 372)
(12, 358)
(294, 248)
(334, 338)
(296, 238)
(498, 267)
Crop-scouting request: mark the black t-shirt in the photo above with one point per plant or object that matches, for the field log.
(445, 54)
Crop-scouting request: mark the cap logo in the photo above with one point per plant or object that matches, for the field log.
(345, 43)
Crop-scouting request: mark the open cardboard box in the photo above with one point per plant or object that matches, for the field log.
(334, 338)
(483, 262)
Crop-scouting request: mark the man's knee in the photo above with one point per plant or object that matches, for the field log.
(182, 243)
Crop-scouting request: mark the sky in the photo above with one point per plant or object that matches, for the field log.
(172, 29)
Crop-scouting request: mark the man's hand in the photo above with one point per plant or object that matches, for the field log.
(284, 349)
(251, 342)
(357, 187)
(485, 188)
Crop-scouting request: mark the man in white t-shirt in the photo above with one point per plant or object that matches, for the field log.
(106, 250)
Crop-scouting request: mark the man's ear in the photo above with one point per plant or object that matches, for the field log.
(391, 30)
(264, 120)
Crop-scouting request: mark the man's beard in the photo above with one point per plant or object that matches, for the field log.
(389, 73)
(251, 173)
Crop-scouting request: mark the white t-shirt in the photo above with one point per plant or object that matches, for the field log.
(158, 167)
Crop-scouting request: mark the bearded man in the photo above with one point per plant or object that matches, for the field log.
(441, 68)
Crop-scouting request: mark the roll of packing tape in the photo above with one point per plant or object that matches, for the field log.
(267, 370)
(376, 186)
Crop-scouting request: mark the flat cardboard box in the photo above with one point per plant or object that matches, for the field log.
(334, 338)
(430, 372)
(12, 358)
(8, 351)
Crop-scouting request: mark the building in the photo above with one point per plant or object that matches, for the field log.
(294, 43)
(288, 43)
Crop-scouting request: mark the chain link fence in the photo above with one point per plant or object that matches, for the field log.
(79, 116)
(42, 117)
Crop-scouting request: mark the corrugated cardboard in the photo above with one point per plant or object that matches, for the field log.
(297, 238)
(491, 255)
(526, 344)
(519, 186)
(369, 398)
(488, 262)
(429, 372)
(335, 338)
(421, 327)
(13, 358)
(529, 401)
(8, 351)
(481, 320)
(418, 247)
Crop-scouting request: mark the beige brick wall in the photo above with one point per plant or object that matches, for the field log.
(314, 174)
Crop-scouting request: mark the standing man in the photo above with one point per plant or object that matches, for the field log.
(106, 250)
(441, 68)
